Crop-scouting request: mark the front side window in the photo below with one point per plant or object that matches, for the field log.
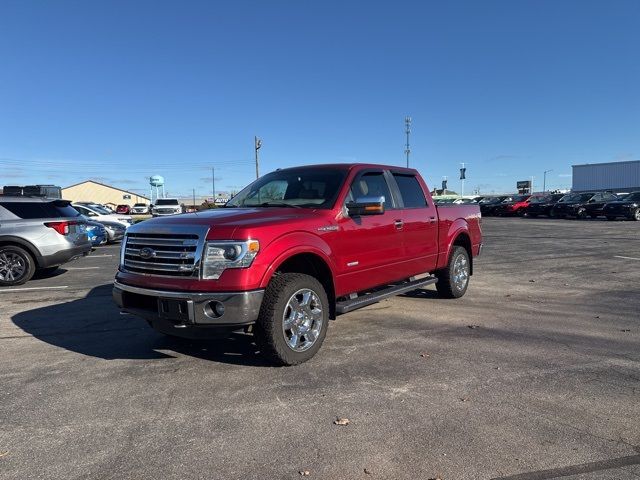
(410, 190)
(370, 184)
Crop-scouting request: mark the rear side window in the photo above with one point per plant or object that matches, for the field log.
(28, 210)
(412, 194)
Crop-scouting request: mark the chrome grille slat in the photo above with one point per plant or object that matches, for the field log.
(163, 254)
(177, 267)
(161, 242)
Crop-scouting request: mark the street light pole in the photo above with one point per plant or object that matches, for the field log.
(257, 145)
(407, 151)
(544, 181)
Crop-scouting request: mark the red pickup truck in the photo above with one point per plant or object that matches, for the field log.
(296, 248)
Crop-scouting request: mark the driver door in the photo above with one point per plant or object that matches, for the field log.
(371, 246)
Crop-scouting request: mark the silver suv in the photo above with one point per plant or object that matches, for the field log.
(38, 234)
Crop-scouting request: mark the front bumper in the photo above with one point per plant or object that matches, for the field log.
(178, 310)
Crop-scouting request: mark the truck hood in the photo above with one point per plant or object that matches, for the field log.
(239, 217)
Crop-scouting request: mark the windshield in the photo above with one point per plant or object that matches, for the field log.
(140, 205)
(310, 187)
(576, 198)
(544, 199)
(166, 201)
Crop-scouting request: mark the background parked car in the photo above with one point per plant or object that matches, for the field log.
(38, 234)
(582, 205)
(542, 205)
(96, 233)
(515, 206)
(115, 231)
(166, 206)
(628, 207)
(100, 214)
(140, 209)
(123, 209)
(488, 205)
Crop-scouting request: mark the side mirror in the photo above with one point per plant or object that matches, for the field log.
(366, 206)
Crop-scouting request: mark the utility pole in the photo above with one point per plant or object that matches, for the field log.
(463, 175)
(257, 145)
(407, 150)
(544, 181)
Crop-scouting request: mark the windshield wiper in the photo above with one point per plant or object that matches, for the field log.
(278, 204)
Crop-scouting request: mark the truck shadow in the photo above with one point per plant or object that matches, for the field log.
(93, 326)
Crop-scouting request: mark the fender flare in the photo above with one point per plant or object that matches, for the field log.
(300, 242)
(30, 247)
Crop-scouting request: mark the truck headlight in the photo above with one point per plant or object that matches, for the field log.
(220, 255)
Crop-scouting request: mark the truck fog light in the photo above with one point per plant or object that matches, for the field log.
(214, 309)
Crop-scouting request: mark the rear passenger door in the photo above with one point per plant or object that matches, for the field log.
(420, 225)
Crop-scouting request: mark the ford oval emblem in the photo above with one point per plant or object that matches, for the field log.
(147, 253)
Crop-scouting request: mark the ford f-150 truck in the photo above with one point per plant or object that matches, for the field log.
(296, 248)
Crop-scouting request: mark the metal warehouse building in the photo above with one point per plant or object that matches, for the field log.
(91, 191)
(614, 176)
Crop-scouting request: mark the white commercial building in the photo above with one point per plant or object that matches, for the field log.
(614, 176)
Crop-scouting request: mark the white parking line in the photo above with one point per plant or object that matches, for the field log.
(81, 268)
(34, 288)
(626, 258)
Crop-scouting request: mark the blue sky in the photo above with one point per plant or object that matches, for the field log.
(121, 90)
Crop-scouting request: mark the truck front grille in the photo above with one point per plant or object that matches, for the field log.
(162, 254)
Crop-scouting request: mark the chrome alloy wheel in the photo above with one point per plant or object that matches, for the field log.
(12, 266)
(460, 272)
(302, 320)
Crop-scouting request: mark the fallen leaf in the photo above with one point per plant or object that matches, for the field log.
(341, 421)
(508, 295)
(6, 452)
(532, 281)
(473, 326)
(304, 473)
(597, 316)
(464, 399)
(424, 355)
(367, 471)
(625, 330)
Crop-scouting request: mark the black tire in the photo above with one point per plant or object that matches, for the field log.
(447, 286)
(15, 259)
(610, 218)
(636, 215)
(581, 214)
(532, 215)
(270, 333)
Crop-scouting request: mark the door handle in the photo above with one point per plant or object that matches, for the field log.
(432, 219)
(399, 224)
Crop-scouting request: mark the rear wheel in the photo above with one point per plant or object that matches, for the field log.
(581, 214)
(636, 215)
(17, 266)
(453, 280)
(293, 319)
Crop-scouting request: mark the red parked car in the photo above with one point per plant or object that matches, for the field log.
(294, 249)
(516, 206)
(123, 209)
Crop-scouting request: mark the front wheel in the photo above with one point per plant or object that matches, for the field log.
(293, 319)
(636, 215)
(453, 280)
(16, 266)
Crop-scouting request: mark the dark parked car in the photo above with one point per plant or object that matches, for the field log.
(488, 204)
(628, 207)
(542, 205)
(582, 205)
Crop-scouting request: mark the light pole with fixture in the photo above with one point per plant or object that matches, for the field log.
(544, 181)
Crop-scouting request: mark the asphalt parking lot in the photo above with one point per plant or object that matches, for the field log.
(534, 374)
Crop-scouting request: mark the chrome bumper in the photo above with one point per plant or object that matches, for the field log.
(189, 309)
